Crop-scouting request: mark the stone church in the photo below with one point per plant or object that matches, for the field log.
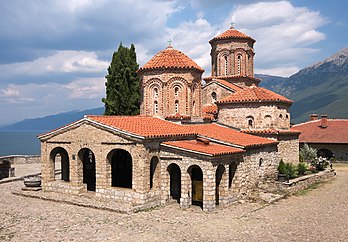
(198, 143)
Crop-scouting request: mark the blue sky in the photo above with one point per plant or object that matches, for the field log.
(54, 53)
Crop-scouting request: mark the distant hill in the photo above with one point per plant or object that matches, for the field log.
(321, 88)
(52, 121)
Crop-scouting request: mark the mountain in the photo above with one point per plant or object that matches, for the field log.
(52, 121)
(320, 88)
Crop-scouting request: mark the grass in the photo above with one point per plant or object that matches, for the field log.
(308, 189)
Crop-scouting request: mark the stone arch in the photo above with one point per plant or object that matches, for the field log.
(196, 175)
(240, 61)
(154, 95)
(223, 62)
(181, 96)
(121, 168)
(231, 173)
(153, 168)
(174, 181)
(218, 178)
(87, 159)
(325, 153)
(60, 155)
(196, 92)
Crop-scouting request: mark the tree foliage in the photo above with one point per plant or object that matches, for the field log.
(122, 83)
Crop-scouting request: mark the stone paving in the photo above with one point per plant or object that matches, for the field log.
(321, 214)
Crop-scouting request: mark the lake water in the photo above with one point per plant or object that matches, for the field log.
(21, 142)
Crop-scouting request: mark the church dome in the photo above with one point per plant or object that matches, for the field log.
(170, 58)
(232, 33)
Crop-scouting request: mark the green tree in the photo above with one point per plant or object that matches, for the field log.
(122, 83)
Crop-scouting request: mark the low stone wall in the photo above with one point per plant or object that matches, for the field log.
(21, 159)
(300, 183)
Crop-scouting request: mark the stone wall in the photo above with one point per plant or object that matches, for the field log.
(289, 148)
(263, 115)
(301, 183)
(213, 87)
(21, 159)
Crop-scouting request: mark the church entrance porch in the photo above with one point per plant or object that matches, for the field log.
(88, 161)
(175, 181)
(121, 168)
(197, 185)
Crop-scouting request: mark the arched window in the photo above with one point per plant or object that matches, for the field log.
(239, 63)
(226, 64)
(250, 122)
(260, 162)
(280, 116)
(155, 107)
(176, 91)
(155, 92)
(213, 97)
(176, 106)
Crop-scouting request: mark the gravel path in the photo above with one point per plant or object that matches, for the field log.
(320, 215)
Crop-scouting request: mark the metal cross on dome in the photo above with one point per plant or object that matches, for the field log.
(232, 24)
(170, 42)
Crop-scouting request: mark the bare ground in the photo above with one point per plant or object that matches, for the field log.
(320, 215)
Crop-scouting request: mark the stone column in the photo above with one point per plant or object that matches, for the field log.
(186, 189)
(208, 189)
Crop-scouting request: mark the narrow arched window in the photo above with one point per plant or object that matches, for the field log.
(176, 106)
(155, 92)
(239, 63)
(213, 97)
(250, 123)
(176, 91)
(155, 107)
(226, 65)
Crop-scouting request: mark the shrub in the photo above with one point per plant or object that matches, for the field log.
(290, 170)
(308, 153)
(281, 167)
(301, 168)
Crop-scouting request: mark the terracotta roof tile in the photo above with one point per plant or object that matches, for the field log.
(233, 77)
(255, 94)
(225, 83)
(211, 149)
(170, 58)
(270, 131)
(231, 34)
(228, 135)
(335, 132)
(145, 126)
(210, 109)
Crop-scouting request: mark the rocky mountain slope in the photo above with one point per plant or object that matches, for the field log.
(321, 88)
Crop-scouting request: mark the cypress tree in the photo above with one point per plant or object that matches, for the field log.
(122, 83)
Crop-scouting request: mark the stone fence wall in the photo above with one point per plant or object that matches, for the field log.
(300, 183)
(21, 159)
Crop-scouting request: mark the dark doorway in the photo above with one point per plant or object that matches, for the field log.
(218, 177)
(60, 155)
(121, 169)
(153, 165)
(197, 185)
(88, 161)
(325, 153)
(175, 181)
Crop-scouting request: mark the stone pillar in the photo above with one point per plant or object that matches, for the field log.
(186, 189)
(208, 189)
(223, 188)
(47, 165)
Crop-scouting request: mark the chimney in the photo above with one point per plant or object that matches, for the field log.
(313, 116)
(202, 141)
(323, 121)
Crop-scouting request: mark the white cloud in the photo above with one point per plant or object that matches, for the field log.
(88, 88)
(61, 62)
(280, 71)
(282, 31)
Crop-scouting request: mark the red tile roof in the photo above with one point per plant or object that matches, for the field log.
(211, 149)
(228, 135)
(170, 58)
(254, 94)
(270, 131)
(232, 34)
(335, 132)
(226, 84)
(233, 78)
(144, 126)
(210, 109)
